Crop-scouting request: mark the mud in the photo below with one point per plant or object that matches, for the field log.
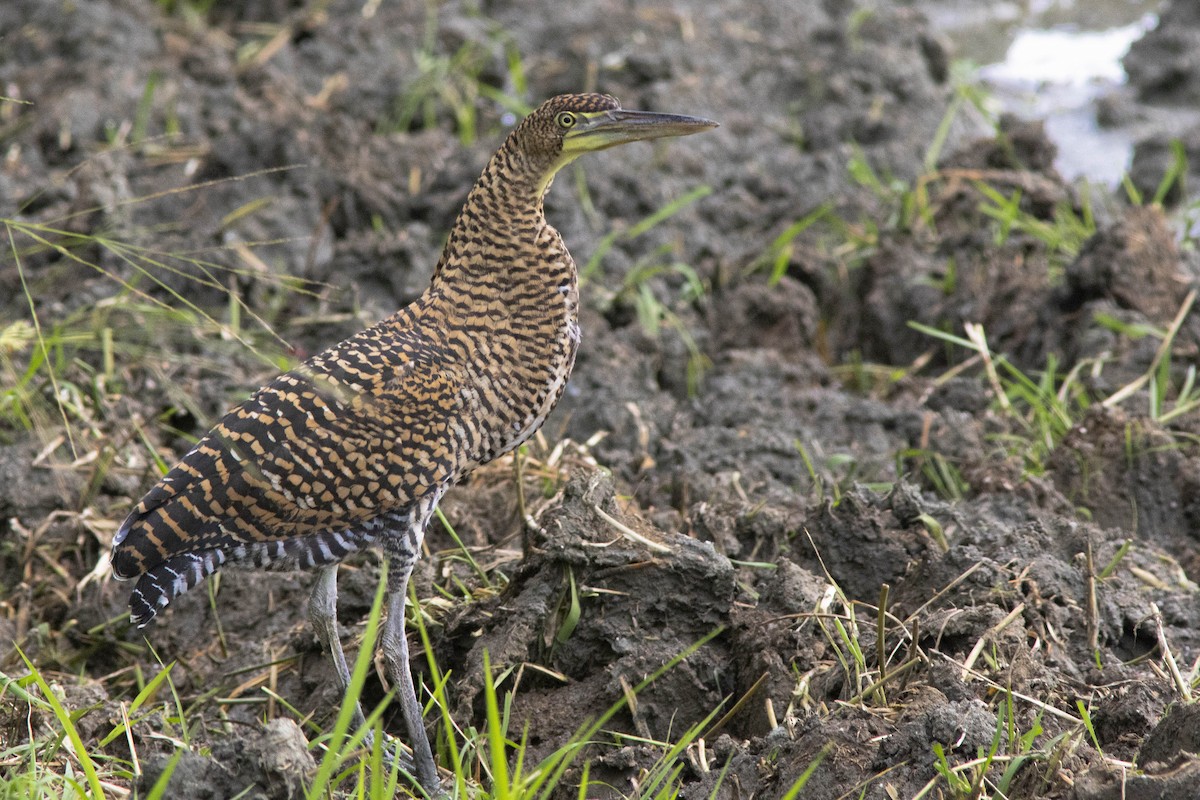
(824, 443)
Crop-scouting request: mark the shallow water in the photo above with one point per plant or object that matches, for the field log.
(1053, 59)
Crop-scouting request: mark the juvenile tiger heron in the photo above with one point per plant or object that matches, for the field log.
(354, 448)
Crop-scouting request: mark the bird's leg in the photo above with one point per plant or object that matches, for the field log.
(322, 611)
(395, 654)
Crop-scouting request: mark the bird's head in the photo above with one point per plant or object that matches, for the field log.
(569, 125)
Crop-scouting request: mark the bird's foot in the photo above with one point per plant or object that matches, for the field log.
(395, 756)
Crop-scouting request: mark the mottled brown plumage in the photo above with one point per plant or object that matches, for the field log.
(355, 447)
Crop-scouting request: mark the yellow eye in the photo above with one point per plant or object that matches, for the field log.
(565, 119)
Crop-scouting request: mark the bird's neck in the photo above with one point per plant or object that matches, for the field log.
(501, 236)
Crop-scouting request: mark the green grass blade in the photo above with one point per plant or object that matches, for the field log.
(554, 766)
(148, 691)
(159, 790)
(794, 791)
(497, 748)
(68, 726)
(479, 571)
(669, 210)
(574, 611)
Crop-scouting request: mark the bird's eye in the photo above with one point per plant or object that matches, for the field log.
(565, 119)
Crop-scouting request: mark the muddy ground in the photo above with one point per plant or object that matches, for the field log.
(778, 437)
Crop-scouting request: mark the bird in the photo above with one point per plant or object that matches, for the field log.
(353, 449)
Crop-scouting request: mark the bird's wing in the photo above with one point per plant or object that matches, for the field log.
(364, 429)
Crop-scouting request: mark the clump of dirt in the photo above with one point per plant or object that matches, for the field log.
(773, 452)
(581, 554)
(1162, 68)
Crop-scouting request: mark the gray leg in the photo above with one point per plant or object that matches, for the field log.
(322, 611)
(395, 654)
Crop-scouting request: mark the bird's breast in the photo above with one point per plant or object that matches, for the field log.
(523, 360)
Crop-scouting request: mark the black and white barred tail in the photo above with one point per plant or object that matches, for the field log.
(165, 581)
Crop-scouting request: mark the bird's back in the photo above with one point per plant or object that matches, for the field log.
(316, 464)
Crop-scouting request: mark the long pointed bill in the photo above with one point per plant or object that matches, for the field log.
(603, 129)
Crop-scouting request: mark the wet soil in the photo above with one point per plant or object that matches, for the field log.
(825, 450)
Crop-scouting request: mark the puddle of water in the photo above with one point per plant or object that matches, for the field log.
(1067, 57)
(1052, 59)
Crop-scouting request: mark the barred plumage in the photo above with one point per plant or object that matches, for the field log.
(354, 448)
